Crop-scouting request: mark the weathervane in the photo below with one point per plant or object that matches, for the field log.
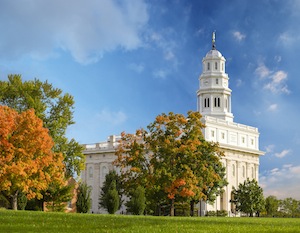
(214, 40)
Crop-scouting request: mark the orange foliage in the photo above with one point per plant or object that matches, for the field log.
(27, 161)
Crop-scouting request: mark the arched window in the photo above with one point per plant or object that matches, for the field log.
(90, 172)
(233, 170)
(208, 66)
(104, 172)
(216, 65)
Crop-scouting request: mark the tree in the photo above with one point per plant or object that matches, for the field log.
(171, 160)
(248, 198)
(137, 203)
(28, 163)
(290, 206)
(56, 196)
(83, 203)
(53, 107)
(107, 197)
(271, 206)
(112, 198)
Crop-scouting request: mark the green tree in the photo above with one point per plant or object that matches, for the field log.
(248, 197)
(271, 206)
(171, 160)
(56, 197)
(112, 198)
(137, 203)
(291, 206)
(83, 203)
(53, 107)
(106, 192)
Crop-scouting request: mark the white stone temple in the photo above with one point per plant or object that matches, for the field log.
(239, 142)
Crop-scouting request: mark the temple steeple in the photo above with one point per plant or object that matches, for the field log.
(214, 95)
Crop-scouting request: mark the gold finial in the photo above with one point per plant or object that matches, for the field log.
(214, 40)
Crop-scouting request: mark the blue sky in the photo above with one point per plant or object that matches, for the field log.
(127, 61)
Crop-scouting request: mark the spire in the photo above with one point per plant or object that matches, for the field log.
(214, 40)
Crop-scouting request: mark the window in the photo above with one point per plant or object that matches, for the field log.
(212, 134)
(233, 170)
(90, 172)
(252, 172)
(223, 135)
(208, 66)
(217, 81)
(206, 102)
(252, 142)
(216, 65)
(222, 66)
(243, 140)
(217, 102)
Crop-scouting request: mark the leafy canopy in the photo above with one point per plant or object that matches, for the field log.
(248, 197)
(171, 160)
(28, 163)
(53, 107)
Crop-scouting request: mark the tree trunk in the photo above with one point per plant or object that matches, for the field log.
(14, 201)
(172, 210)
(192, 209)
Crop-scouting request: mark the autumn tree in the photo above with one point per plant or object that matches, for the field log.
(28, 163)
(53, 107)
(248, 197)
(171, 160)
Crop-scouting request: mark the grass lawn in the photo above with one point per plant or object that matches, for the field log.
(26, 221)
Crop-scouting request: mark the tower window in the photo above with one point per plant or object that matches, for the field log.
(217, 102)
(216, 65)
(208, 66)
(206, 102)
(217, 81)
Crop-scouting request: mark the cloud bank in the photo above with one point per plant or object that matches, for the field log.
(87, 29)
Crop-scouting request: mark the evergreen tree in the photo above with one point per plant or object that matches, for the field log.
(107, 192)
(83, 203)
(112, 198)
(137, 203)
(248, 198)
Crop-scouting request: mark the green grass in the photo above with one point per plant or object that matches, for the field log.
(24, 221)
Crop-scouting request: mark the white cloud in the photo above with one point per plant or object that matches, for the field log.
(162, 74)
(282, 153)
(87, 29)
(114, 118)
(281, 182)
(277, 58)
(272, 107)
(239, 36)
(139, 68)
(239, 82)
(269, 148)
(273, 81)
(262, 71)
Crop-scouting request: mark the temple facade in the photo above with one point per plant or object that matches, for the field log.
(239, 142)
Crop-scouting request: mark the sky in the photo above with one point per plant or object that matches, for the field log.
(126, 61)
